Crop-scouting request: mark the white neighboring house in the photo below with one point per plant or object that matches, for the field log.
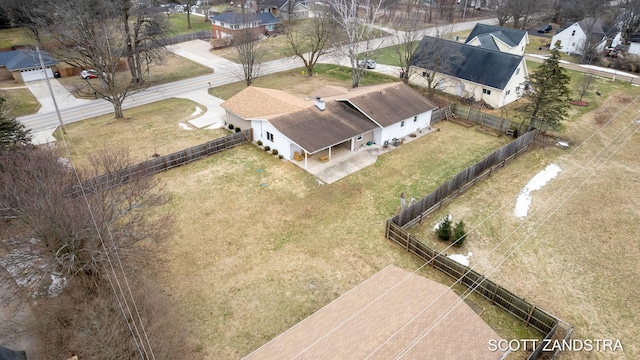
(286, 9)
(634, 44)
(349, 119)
(468, 71)
(573, 38)
(507, 40)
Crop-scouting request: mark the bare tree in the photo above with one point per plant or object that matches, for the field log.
(435, 56)
(78, 232)
(501, 8)
(144, 29)
(522, 11)
(630, 18)
(100, 37)
(407, 41)
(312, 40)
(355, 20)
(584, 83)
(249, 54)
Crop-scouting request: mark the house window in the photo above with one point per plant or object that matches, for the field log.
(486, 91)
(359, 138)
(517, 88)
(517, 71)
(415, 118)
(508, 92)
(573, 33)
(269, 136)
(402, 123)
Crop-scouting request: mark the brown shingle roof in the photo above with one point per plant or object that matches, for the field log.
(388, 103)
(314, 130)
(254, 102)
(395, 312)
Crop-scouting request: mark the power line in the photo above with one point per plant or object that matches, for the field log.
(448, 247)
(122, 298)
(472, 288)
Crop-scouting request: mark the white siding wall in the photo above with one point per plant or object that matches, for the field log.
(398, 131)
(280, 142)
(511, 91)
(496, 98)
(570, 42)
(634, 48)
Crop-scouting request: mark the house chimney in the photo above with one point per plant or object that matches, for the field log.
(319, 103)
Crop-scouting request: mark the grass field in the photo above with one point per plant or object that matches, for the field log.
(263, 257)
(576, 252)
(260, 245)
(149, 129)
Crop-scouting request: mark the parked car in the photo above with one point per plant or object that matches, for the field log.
(545, 29)
(367, 64)
(89, 74)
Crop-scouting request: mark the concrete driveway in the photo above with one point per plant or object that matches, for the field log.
(63, 98)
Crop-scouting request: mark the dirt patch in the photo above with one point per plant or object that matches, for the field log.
(579, 103)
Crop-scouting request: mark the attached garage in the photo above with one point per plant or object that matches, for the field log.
(24, 65)
(35, 74)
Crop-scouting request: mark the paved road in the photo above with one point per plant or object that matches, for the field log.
(223, 72)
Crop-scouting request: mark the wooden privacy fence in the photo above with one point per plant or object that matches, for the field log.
(484, 119)
(204, 35)
(461, 182)
(163, 163)
(530, 314)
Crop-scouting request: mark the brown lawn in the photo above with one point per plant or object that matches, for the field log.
(576, 254)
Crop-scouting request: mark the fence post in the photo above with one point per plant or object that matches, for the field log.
(495, 292)
(530, 314)
(408, 240)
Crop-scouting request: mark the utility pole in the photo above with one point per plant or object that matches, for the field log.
(55, 104)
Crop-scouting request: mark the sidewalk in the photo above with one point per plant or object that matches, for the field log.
(63, 98)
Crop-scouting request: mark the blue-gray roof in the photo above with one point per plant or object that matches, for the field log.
(483, 66)
(511, 37)
(24, 59)
(237, 18)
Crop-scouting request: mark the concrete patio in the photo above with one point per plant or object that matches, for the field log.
(344, 162)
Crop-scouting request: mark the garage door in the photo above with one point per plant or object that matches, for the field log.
(35, 74)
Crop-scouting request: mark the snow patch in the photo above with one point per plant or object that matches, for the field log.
(437, 226)
(185, 126)
(197, 112)
(461, 259)
(536, 183)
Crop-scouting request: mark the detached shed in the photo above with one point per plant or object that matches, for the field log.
(394, 313)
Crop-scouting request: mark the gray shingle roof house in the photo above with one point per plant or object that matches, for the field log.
(512, 41)
(24, 65)
(470, 71)
(286, 9)
(226, 25)
(349, 119)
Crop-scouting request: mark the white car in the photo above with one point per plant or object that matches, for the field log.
(89, 74)
(367, 64)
